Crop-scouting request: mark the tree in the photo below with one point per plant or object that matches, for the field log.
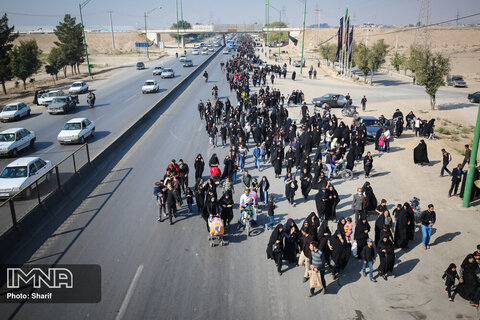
(7, 36)
(328, 52)
(276, 37)
(376, 57)
(70, 41)
(57, 61)
(398, 60)
(361, 54)
(51, 70)
(414, 58)
(432, 70)
(24, 60)
(182, 24)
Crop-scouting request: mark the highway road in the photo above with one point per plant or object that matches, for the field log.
(152, 270)
(119, 101)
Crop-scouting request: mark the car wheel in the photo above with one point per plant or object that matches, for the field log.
(32, 143)
(16, 118)
(14, 152)
(471, 100)
(82, 140)
(28, 113)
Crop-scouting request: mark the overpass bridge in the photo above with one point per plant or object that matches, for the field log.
(155, 34)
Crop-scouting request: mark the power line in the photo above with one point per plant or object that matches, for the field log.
(51, 15)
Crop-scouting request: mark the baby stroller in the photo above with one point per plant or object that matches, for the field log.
(215, 174)
(216, 231)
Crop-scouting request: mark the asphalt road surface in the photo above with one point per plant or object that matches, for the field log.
(119, 101)
(152, 270)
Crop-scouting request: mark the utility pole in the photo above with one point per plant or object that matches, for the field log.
(111, 26)
(81, 5)
(471, 166)
(366, 39)
(181, 14)
(318, 11)
(303, 36)
(396, 44)
(458, 15)
(268, 23)
(146, 38)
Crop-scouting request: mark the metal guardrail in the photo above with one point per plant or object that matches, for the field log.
(25, 200)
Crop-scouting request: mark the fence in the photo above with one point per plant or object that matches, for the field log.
(16, 208)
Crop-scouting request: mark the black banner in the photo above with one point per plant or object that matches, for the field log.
(339, 36)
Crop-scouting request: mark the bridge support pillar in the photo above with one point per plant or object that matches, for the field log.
(182, 38)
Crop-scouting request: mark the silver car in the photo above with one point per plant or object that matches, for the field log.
(14, 140)
(14, 111)
(168, 73)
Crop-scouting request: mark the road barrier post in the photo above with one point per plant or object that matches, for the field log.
(88, 152)
(58, 177)
(12, 212)
(74, 164)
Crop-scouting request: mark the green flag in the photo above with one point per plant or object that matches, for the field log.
(346, 15)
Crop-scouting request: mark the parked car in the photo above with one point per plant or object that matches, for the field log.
(195, 52)
(14, 140)
(140, 65)
(456, 81)
(204, 52)
(157, 71)
(14, 111)
(168, 73)
(182, 58)
(332, 99)
(210, 50)
(62, 104)
(188, 63)
(76, 131)
(47, 97)
(474, 97)
(151, 86)
(372, 124)
(296, 63)
(78, 87)
(20, 173)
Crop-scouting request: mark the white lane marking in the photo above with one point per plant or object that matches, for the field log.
(129, 294)
(131, 98)
(178, 138)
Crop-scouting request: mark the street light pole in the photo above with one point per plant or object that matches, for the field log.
(278, 41)
(81, 5)
(178, 31)
(303, 37)
(146, 37)
(268, 23)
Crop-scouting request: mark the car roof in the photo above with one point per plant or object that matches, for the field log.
(79, 82)
(368, 118)
(14, 103)
(74, 120)
(64, 96)
(22, 161)
(149, 80)
(11, 130)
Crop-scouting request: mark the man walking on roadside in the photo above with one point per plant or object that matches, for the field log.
(468, 153)
(456, 178)
(317, 267)
(427, 218)
(305, 252)
(368, 259)
(447, 157)
(364, 103)
(357, 203)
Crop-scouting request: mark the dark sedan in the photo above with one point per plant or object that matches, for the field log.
(474, 97)
(372, 125)
(333, 100)
(188, 63)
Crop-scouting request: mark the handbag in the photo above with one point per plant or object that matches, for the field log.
(315, 280)
(354, 249)
(276, 248)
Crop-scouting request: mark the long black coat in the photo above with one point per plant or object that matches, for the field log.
(276, 235)
(420, 154)
(401, 229)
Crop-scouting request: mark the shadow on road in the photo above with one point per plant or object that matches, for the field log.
(405, 267)
(445, 238)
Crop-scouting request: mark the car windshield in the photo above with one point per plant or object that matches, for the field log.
(12, 107)
(167, 70)
(59, 100)
(77, 84)
(370, 122)
(457, 78)
(7, 137)
(158, 68)
(72, 126)
(188, 61)
(149, 83)
(14, 172)
(326, 96)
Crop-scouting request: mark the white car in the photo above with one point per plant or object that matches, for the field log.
(76, 131)
(78, 87)
(151, 86)
(14, 111)
(204, 52)
(46, 98)
(14, 140)
(168, 73)
(196, 45)
(182, 58)
(20, 173)
(210, 50)
(195, 52)
(157, 71)
(226, 51)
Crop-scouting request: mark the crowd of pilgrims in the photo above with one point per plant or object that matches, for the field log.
(262, 117)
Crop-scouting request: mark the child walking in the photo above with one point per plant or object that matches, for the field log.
(449, 277)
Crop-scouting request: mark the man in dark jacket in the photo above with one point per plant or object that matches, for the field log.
(456, 178)
(171, 202)
(368, 257)
(183, 171)
(428, 218)
(358, 203)
(247, 179)
(305, 253)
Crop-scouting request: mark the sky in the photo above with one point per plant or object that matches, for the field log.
(32, 14)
